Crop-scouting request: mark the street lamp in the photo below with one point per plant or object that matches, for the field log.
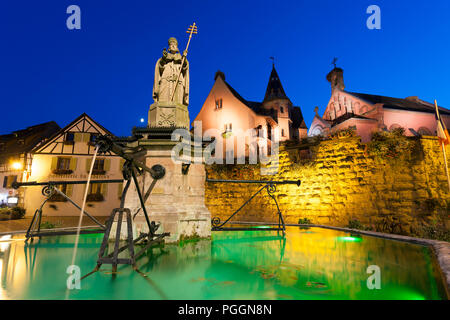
(17, 165)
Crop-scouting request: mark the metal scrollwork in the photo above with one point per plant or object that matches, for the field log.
(48, 190)
(271, 188)
(126, 170)
(215, 221)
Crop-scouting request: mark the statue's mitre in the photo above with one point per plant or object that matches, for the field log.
(172, 39)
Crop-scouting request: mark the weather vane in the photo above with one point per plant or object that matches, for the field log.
(334, 61)
(191, 30)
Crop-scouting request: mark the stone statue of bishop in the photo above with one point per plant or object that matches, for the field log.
(168, 69)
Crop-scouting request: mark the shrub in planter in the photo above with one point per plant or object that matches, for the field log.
(5, 214)
(48, 225)
(304, 221)
(356, 224)
(17, 213)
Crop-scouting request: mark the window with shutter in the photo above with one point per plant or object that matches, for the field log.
(64, 165)
(95, 193)
(99, 167)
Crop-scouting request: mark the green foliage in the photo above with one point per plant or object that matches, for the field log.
(12, 213)
(304, 221)
(344, 133)
(48, 225)
(356, 224)
(432, 214)
(392, 144)
(17, 213)
(434, 231)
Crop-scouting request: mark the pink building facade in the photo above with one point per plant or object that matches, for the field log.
(227, 111)
(368, 113)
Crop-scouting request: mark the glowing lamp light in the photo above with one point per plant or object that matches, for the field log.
(17, 165)
(142, 120)
(350, 239)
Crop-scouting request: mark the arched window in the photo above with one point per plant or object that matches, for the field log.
(317, 130)
(423, 131)
(363, 109)
(394, 126)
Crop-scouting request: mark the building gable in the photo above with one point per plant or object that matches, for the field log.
(342, 102)
(74, 139)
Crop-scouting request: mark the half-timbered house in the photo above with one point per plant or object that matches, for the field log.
(67, 156)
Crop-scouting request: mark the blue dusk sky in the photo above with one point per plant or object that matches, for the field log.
(48, 72)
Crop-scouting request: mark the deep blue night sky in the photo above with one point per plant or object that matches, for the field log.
(48, 72)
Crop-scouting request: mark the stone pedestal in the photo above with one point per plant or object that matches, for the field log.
(166, 114)
(177, 201)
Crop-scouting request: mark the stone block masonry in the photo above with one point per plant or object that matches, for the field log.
(342, 181)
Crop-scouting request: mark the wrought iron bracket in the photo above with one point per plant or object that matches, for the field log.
(269, 186)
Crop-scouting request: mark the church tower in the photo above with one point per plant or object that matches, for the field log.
(274, 88)
(278, 105)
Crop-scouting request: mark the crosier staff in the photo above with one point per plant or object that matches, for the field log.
(191, 30)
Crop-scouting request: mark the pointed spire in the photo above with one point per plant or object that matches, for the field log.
(274, 87)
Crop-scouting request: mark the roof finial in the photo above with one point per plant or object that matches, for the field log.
(334, 61)
(273, 61)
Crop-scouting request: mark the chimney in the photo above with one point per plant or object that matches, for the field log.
(336, 78)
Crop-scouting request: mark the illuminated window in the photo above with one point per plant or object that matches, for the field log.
(228, 127)
(219, 104)
(63, 164)
(95, 188)
(96, 192)
(8, 181)
(99, 165)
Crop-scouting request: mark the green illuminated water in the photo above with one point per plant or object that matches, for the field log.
(307, 264)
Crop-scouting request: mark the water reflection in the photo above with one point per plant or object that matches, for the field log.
(306, 264)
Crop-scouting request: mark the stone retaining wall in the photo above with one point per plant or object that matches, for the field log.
(341, 181)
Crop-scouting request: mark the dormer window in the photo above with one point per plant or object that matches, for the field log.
(228, 127)
(92, 138)
(69, 138)
(219, 104)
